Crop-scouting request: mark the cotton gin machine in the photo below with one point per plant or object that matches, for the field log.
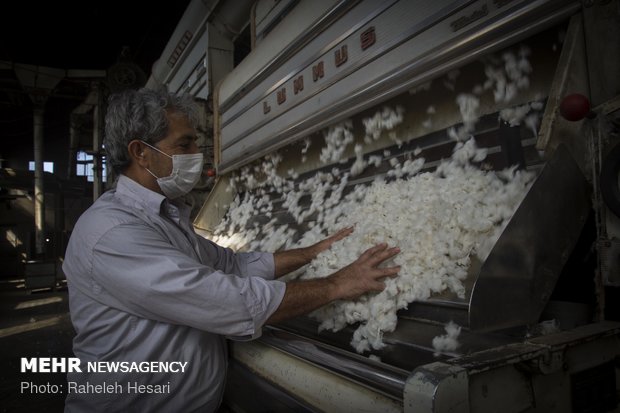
(406, 81)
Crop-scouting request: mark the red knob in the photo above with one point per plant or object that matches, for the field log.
(211, 172)
(575, 107)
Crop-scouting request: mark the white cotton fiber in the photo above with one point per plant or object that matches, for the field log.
(514, 116)
(438, 219)
(359, 164)
(447, 342)
(385, 119)
(509, 75)
(451, 77)
(531, 121)
(337, 138)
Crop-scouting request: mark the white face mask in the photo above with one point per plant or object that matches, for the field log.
(186, 172)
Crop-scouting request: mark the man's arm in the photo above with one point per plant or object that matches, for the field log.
(288, 261)
(359, 277)
(136, 270)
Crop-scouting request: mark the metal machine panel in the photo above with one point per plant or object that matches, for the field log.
(305, 21)
(192, 74)
(183, 52)
(355, 56)
(267, 14)
(517, 278)
(369, 62)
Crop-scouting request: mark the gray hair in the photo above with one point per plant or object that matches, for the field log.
(140, 114)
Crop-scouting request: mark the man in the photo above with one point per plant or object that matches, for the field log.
(144, 287)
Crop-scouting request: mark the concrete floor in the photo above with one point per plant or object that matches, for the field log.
(32, 324)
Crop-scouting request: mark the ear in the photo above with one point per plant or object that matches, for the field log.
(137, 153)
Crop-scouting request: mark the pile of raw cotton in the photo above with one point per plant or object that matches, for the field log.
(438, 219)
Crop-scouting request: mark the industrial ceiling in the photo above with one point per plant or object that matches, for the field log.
(90, 37)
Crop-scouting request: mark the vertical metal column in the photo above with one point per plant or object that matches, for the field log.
(40, 82)
(39, 191)
(73, 144)
(97, 138)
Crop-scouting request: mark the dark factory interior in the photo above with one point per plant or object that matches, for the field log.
(395, 206)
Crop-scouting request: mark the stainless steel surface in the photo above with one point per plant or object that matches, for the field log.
(309, 384)
(506, 27)
(570, 77)
(517, 279)
(415, 29)
(296, 45)
(602, 35)
(406, 348)
(544, 374)
(380, 377)
(244, 388)
(498, 295)
(497, 362)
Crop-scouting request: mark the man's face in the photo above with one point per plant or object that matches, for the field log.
(180, 140)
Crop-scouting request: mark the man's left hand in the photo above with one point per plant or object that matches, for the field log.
(325, 244)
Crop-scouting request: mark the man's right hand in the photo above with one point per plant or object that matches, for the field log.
(364, 275)
(361, 276)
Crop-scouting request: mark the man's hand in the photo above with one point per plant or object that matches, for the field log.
(364, 275)
(326, 244)
(287, 261)
(359, 277)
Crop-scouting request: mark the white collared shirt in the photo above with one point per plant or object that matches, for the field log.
(144, 287)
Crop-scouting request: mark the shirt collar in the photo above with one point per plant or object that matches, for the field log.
(141, 195)
(151, 200)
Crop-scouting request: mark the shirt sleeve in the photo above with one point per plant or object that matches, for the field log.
(260, 264)
(136, 270)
